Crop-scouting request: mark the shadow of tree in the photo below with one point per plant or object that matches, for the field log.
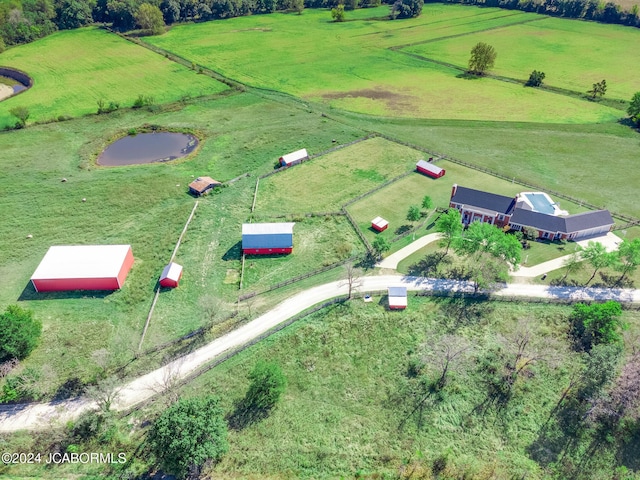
(245, 414)
(429, 265)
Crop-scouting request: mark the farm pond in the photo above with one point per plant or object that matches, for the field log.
(147, 148)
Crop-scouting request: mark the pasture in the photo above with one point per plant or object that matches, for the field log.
(350, 65)
(324, 183)
(72, 70)
(573, 54)
(145, 206)
(349, 374)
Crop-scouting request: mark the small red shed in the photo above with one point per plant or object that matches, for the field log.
(293, 158)
(430, 169)
(379, 224)
(397, 298)
(171, 275)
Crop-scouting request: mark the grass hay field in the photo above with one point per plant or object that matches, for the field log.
(349, 65)
(325, 183)
(73, 69)
(573, 54)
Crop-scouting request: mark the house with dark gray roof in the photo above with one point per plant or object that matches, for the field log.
(512, 213)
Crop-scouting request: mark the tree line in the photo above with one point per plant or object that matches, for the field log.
(597, 10)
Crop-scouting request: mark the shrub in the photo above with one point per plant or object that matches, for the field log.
(19, 333)
(535, 79)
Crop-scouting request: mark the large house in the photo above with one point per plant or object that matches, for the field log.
(531, 210)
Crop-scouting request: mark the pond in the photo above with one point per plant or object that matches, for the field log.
(147, 148)
(13, 81)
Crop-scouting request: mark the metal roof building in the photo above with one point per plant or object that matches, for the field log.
(379, 224)
(397, 298)
(430, 169)
(203, 185)
(83, 267)
(267, 238)
(293, 158)
(171, 275)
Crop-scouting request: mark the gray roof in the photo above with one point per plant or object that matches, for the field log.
(537, 220)
(429, 166)
(569, 224)
(397, 291)
(587, 220)
(267, 235)
(485, 200)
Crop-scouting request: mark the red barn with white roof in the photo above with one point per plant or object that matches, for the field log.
(83, 267)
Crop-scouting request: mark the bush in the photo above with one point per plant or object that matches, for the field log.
(535, 79)
(19, 333)
(337, 13)
(267, 386)
(189, 433)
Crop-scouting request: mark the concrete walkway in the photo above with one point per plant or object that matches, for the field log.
(392, 260)
(34, 416)
(610, 242)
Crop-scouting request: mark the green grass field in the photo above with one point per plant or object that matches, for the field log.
(347, 372)
(350, 65)
(145, 206)
(325, 183)
(572, 53)
(72, 70)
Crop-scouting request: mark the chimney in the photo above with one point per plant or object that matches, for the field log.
(454, 189)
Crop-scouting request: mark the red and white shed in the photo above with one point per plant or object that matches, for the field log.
(379, 224)
(171, 275)
(397, 298)
(293, 158)
(83, 267)
(430, 169)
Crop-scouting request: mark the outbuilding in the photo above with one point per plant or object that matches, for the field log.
(171, 275)
(397, 298)
(83, 267)
(203, 185)
(293, 158)
(267, 238)
(430, 169)
(379, 224)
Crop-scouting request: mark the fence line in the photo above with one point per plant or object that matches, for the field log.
(255, 194)
(242, 272)
(294, 216)
(239, 177)
(299, 278)
(358, 231)
(379, 187)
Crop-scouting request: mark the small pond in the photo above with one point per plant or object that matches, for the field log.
(13, 81)
(148, 148)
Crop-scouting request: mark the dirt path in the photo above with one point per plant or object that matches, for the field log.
(34, 416)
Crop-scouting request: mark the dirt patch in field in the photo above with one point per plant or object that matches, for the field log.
(5, 91)
(394, 101)
(257, 29)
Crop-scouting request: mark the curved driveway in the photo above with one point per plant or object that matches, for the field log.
(33, 416)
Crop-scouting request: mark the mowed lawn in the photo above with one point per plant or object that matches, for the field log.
(349, 65)
(325, 183)
(393, 202)
(73, 69)
(573, 54)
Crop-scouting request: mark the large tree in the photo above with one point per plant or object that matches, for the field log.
(19, 333)
(413, 215)
(634, 108)
(595, 324)
(380, 245)
(490, 252)
(149, 18)
(406, 8)
(267, 386)
(597, 256)
(628, 257)
(449, 224)
(483, 58)
(189, 433)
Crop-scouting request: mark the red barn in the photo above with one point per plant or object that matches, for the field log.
(397, 298)
(171, 275)
(379, 224)
(83, 267)
(293, 158)
(430, 169)
(267, 238)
